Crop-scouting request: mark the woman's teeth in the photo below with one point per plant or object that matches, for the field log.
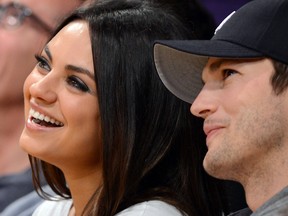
(42, 119)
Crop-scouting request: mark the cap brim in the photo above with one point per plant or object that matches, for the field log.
(180, 63)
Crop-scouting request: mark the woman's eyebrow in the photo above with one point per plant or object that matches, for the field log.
(80, 70)
(71, 67)
(48, 53)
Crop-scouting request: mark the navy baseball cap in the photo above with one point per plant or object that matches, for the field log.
(258, 29)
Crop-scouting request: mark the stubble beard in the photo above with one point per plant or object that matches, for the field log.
(238, 155)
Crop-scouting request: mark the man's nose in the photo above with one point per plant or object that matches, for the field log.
(205, 103)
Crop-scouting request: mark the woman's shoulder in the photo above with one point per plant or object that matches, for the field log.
(55, 208)
(151, 208)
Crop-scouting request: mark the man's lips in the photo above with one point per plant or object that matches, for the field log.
(210, 131)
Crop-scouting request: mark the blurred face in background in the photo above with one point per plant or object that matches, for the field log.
(25, 26)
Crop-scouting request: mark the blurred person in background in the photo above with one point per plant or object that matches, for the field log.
(25, 26)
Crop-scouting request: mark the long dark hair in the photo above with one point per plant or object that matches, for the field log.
(152, 149)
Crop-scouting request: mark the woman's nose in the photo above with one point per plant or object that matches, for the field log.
(44, 89)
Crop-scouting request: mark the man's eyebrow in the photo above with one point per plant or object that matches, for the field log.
(80, 70)
(216, 65)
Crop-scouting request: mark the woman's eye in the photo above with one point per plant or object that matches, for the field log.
(42, 63)
(77, 83)
(228, 72)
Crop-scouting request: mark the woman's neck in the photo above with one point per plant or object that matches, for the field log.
(82, 189)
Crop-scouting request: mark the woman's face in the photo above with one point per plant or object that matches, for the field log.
(61, 107)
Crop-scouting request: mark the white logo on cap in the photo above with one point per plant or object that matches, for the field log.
(224, 21)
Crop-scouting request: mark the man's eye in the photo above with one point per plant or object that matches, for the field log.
(42, 63)
(228, 72)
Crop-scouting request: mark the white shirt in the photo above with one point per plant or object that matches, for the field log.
(149, 208)
(55, 208)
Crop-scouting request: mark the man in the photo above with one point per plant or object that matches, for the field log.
(25, 26)
(244, 99)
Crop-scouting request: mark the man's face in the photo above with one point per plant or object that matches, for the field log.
(18, 45)
(245, 121)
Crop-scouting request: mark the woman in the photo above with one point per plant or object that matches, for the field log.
(107, 135)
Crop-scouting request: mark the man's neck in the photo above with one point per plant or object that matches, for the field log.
(262, 186)
(12, 158)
